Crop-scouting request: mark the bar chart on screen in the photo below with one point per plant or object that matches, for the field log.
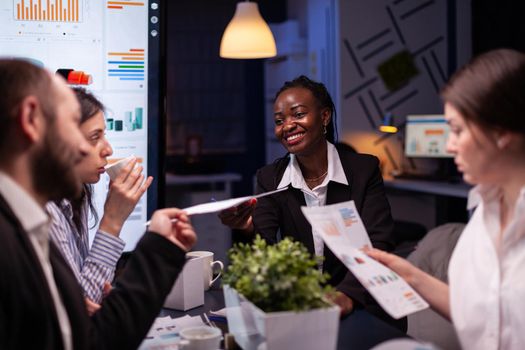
(126, 66)
(51, 19)
(124, 122)
(124, 5)
(104, 47)
(126, 56)
(126, 118)
(48, 10)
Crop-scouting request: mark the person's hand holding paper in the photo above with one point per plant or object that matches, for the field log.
(343, 231)
(402, 267)
(244, 204)
(239, 217)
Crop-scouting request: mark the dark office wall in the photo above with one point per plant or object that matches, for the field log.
(497, 24)
(218, 100)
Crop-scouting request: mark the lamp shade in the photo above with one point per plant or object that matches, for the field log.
(247, 35)
(387, 125)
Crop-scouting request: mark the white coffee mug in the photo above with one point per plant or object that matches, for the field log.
(207, 266)
(200, 338)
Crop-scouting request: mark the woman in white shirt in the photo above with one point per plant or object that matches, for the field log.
(485, 298)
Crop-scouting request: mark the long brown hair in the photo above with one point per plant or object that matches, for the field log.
(89, 107)
(490, 90)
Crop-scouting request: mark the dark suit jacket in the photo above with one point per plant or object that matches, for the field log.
(28, 318)
(282, 213)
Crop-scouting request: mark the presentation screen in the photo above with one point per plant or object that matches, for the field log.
(112, 49)
(426, 136)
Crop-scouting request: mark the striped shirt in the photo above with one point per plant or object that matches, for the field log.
(92, 267)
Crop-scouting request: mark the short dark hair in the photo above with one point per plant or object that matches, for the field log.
(489, 91)
(322, 96)
(19, 79)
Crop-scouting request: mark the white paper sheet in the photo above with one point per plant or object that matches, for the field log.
(213, 207)
(343, 232)
(332, 220)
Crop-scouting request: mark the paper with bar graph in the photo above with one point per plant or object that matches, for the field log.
(343, 232)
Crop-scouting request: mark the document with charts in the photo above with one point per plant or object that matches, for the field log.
(343, 232)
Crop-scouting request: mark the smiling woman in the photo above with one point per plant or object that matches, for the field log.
(316, 173)
(300, 124)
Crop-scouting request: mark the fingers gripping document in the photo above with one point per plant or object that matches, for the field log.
(217, 206)
(342, 230)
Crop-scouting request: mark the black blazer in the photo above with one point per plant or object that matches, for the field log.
(28, 318)
(281, 213)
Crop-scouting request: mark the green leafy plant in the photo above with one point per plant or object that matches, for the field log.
(279, 277)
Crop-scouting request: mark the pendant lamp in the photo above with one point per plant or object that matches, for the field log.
(247, 35)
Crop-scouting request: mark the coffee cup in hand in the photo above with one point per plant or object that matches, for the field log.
(209, 266)
(200, 338)
(114, 169)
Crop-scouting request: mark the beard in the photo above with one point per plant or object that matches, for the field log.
(53, 166)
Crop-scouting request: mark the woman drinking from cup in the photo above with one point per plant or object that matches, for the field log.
(94, 268)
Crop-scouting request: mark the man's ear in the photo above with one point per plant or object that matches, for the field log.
(31, 118)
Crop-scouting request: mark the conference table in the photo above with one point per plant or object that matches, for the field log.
(359, 330)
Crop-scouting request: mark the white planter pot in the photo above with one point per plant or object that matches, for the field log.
(255, 329)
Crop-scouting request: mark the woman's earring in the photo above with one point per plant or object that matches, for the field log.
(324, 129)
(503, 141)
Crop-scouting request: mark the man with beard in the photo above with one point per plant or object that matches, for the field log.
(41, 303)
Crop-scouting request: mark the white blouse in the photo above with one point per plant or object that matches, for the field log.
(315, 197)
(487, 276)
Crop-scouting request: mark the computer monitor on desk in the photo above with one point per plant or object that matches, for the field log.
(426, 137)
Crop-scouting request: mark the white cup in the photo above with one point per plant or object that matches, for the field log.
(200, 338)
(114, 169)
(207, 266)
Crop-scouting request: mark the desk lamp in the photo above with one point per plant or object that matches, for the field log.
(387, 125)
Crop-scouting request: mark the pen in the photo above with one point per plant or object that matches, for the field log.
(207, 320)
(217, 318)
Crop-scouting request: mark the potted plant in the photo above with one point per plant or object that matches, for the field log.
(276, 299)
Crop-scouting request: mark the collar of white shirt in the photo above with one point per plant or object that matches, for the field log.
(487, 193)
(481, 193)
(30, 214)
(35, 222)
(293, 175)
(489, 196)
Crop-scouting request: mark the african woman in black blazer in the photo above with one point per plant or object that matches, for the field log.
(316, 174)
(280, 214)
